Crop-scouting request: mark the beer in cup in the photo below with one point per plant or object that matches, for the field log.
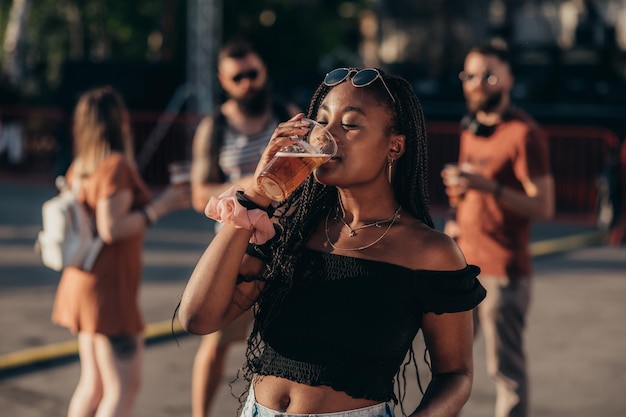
(293, 163)
(453, 179)
(180, 172)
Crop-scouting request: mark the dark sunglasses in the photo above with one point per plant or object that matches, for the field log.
(361, 78)
(487, 77)
(251, 75)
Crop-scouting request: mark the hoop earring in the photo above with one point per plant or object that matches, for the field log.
(389, 168)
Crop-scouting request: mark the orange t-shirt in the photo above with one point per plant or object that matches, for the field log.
(492, 236)
(105, 300)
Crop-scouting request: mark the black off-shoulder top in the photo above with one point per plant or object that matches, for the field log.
(348, 323)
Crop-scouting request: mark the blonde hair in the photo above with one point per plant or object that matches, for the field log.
(101, 125)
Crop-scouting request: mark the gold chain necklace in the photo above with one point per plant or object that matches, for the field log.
(391, 222)
(378, 223)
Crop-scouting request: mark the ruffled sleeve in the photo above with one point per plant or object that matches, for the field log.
(451, 291)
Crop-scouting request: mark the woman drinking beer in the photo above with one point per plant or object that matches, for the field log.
(344, 272)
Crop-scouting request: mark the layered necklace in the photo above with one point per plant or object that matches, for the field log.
(352, 230)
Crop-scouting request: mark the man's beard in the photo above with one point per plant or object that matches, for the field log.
(488, 104)
(255, 104)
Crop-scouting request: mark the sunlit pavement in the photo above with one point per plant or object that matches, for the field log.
(575, 339)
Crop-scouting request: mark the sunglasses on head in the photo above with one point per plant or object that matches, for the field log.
(361, 78)
(250, 74)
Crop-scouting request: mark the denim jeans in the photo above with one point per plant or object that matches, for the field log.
(253, 409)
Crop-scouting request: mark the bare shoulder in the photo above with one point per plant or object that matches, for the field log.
(202, 131)
(432, 250)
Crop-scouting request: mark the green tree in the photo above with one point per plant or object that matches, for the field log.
(60, 30)
(295, 35)
(14, 40)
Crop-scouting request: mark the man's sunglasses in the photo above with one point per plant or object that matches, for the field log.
(361, 78)
(251, 75)
(487, 77)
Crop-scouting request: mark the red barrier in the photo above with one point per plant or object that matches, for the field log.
(577, 155)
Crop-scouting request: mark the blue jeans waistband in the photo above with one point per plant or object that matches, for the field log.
(253, 409)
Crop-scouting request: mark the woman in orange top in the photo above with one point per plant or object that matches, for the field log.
(101, 305)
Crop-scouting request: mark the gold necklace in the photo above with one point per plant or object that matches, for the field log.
(391, 222)
(378, 223)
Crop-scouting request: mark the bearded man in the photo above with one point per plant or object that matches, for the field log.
(226, 149)
(505, 183)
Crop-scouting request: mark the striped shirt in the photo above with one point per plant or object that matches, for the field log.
(240, 153)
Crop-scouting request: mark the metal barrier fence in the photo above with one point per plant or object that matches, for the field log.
(577, 154)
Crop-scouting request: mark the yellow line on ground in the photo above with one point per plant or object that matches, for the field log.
(563, 244)
(38, 354)
(70, 348)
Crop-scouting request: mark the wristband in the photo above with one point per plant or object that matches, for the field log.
(146, 218)
(149, 214)
(498, 191)
(245, 201)
(227, 209)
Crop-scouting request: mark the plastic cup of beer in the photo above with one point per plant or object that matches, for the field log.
(180, 172)
(293, 163)
(453, 173)
(453, 179)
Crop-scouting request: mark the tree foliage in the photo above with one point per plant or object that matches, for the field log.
(294, 35)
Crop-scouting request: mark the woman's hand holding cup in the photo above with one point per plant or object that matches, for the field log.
(296, 149)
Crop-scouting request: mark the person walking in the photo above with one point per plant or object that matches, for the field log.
(343, 274)
(226, 149)
(503, 183)
(101, 305)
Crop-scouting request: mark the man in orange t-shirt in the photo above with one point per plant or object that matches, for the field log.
(502, 183)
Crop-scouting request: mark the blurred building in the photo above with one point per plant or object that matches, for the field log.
(571, 52)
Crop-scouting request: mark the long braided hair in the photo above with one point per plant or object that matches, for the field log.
(308, 205)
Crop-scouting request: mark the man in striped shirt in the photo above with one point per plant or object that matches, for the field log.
(226, 148)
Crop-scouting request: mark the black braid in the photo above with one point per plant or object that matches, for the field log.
(307, 206)
(410, 182)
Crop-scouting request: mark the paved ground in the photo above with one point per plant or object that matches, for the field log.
(576, 337)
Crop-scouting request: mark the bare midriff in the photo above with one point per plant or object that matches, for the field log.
(286, 396)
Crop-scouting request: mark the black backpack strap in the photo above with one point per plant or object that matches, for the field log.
(217, 138)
